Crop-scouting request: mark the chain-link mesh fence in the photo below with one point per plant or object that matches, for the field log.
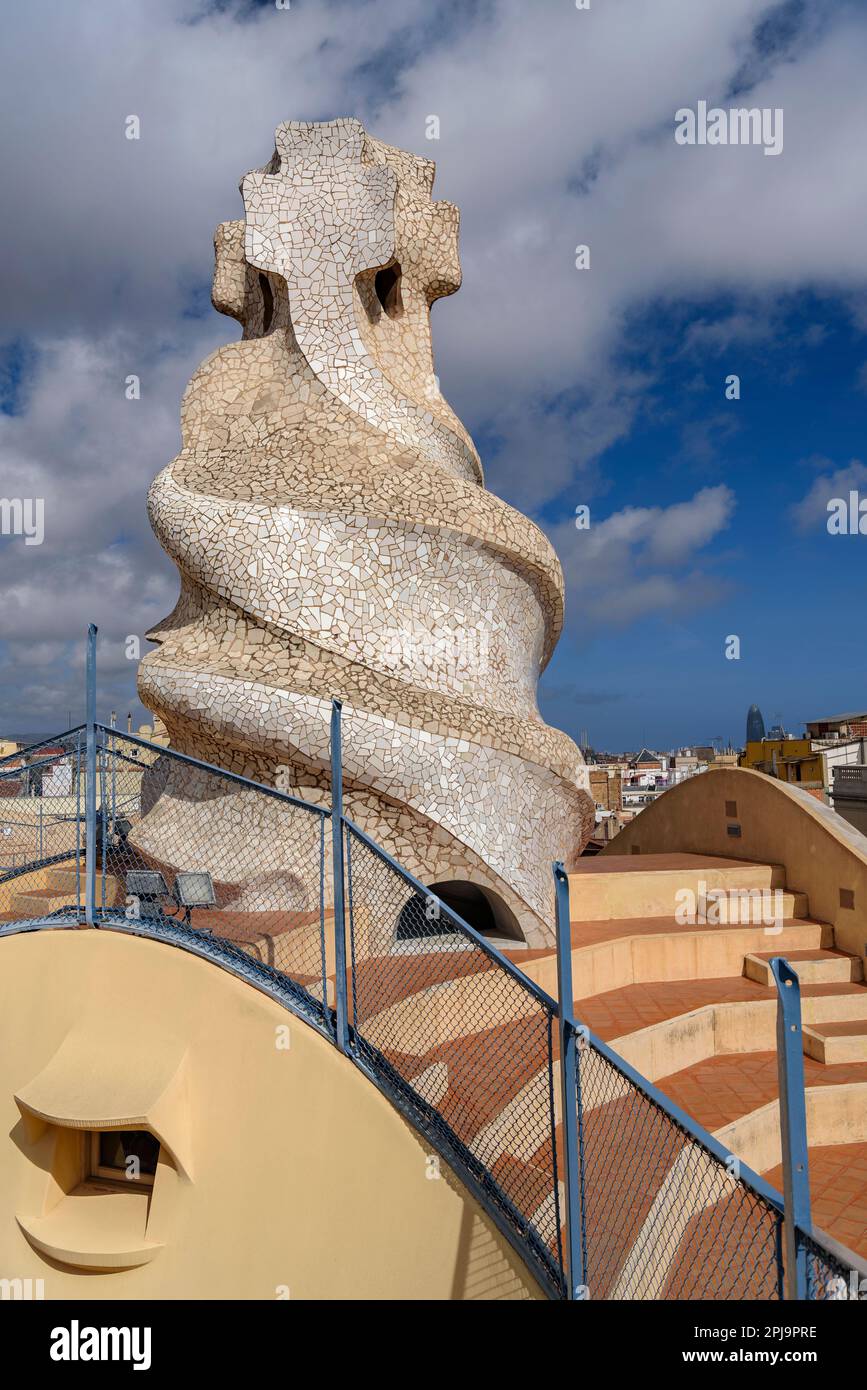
(185, 848)
(832, 1278)
(470, 1050)
(662, 1216)
(465, 1042)
(42, 829)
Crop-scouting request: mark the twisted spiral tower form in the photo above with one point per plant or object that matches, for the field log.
(328, 517)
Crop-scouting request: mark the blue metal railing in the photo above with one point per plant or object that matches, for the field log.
(604, 1186)
(665, 1210)
(8, 760)
(499, 1070)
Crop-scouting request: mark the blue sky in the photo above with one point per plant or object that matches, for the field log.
(793, 593)
(600, 387)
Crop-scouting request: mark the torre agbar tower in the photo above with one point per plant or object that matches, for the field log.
(334, 537)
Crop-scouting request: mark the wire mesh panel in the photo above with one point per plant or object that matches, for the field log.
(662, 1216)
(830, 1278)
(42, 830)
(459, 1038)
(185, 848)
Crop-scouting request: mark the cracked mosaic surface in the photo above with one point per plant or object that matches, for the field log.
(328, 517)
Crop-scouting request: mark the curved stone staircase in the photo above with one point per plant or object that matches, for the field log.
(689, 1006)
(693, 1008)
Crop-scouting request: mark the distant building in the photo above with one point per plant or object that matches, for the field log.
(684, 760)
(755, 725)
(807, 762)
(606, 788)
(850, 794)
(840, 726)
(636, 796)
(645, 761)
(727, 759)
(789, 759)
(155, 733)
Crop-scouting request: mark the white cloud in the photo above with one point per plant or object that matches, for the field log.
(742, 326)
(642, 560)
(556, 129)
(90, 455)
(811, 513)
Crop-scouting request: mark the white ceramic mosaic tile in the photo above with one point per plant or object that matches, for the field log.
(329, 519)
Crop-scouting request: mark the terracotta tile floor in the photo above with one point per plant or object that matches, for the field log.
(721, 1089)
(838, 1188)
(728, 1248)
(716, 1092)
(590, 933)
(621, 1011)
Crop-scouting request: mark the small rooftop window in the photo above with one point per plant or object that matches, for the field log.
(124, 1155)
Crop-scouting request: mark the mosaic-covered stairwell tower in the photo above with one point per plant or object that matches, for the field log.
(329, 520)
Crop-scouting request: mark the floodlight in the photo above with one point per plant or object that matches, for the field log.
(146, 883)
(148, 886)
(194, 888)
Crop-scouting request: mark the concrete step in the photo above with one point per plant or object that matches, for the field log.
(61, 891)
(753, 906)
(62, 878)
(618, 886)
(811, 967)
(507, 944)
(626, 955)
(39, 902)
(836, 1042)
(714, 1025)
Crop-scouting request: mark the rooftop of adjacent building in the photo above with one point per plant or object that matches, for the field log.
(855, 716)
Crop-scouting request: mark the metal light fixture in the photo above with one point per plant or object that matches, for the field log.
(194, 888)
(149, 886)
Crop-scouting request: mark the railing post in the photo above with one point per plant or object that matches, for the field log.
(337, 865)
(573, 1244)
(90, 783)
(793, 1125)
(113, 773)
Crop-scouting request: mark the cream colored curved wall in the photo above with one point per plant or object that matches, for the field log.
(822, 854)
(293, 1173)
